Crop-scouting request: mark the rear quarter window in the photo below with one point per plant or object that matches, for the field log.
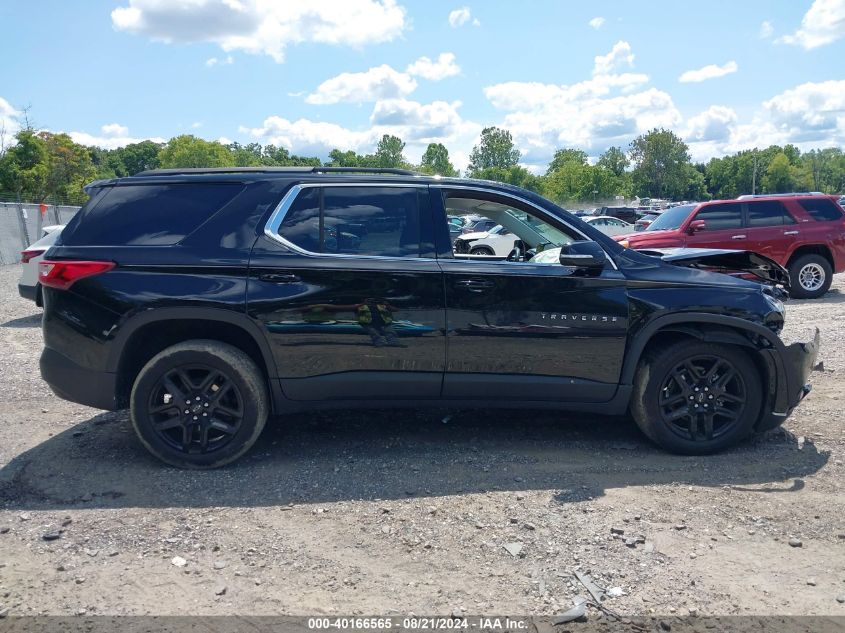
(821, 209)
(148, 215)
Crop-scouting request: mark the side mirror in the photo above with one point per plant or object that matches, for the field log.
(587, 258)
(695, 226)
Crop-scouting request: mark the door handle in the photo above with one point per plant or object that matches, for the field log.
(738, 237)
(474, 285)
(279, 278)
(790, 232)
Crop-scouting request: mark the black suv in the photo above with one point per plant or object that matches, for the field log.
(208, 300)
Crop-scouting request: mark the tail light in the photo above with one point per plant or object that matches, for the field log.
(26, 256)
(63, 274)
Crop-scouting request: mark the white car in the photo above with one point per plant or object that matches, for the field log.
(497, 241)
(609, 225)
(28, 286)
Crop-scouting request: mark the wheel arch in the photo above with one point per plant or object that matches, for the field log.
(811, 249)
(146, 334)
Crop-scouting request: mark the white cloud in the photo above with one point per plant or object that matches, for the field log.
(461, 16)
(445, 66)
(596, 22)
(263, 26)
(766, 30)
(714, 124)
(9, 123)
(610, 108)
(811, 115)
(415, 123)
(115, 129)
(196, 125)
(114, 136)
(380, 82)
(620, 55)
(214, 61)
(711, 71)
(823, 23)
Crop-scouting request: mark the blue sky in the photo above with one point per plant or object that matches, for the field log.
(726, 75)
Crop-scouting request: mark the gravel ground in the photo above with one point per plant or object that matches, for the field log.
(396, 512)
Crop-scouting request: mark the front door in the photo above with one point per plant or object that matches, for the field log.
(350, 295)
(724, 227)
(526, 329)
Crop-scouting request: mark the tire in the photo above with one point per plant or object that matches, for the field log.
(228, 410)
(810, 277)
(482, 250)
(658, 391)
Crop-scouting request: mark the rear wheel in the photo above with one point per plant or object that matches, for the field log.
(696, 398)
(199, 404)
(810, 276)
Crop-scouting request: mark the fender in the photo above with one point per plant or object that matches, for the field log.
(156, 315)
(689, 323)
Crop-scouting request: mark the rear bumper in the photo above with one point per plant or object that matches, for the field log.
(27, 292)
(78, 384)
(789, 384)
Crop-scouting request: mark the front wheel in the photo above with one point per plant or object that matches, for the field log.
(482, 250)
(199, 404)
(810, 277)
(696, 398)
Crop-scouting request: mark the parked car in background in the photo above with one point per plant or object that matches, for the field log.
(804, 233)
(609, 225)
(478, 225)
(628, 214)
(497, 241)
(28, 286)
(643, 223)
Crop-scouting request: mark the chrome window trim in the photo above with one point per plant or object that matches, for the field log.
(446, 185)
(274, 222)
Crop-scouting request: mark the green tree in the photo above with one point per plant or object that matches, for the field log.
(514, 175)
(661, 159)
(566, 155)
(25, 167)
(389, 152)
(349, 158)
(190, 151)
(614, 160)
(779, 175)
(435, 160)
(70, 167)
(494, 149)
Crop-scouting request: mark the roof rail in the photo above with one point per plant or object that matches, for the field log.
(748, 196)
(275, 170)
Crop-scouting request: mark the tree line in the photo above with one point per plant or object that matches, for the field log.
(43, 166)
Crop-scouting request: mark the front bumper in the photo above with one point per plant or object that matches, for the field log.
(789, 372)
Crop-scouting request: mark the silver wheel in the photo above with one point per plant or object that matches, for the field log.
(811, 277)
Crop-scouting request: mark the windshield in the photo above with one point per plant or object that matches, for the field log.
(671, 218)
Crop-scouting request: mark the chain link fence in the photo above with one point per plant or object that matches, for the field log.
(21, 224)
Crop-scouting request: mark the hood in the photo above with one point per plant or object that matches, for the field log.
(479, 235)
(726, 261)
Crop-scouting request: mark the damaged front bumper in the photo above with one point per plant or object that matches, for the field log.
(789, 371)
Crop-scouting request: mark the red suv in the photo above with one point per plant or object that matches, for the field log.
(805, 233)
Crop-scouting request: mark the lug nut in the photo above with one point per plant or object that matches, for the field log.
(710, 396)
(197, 398)
(696, 388)
(186, 411)
(205, 415)
(206, 404)
(195, 417)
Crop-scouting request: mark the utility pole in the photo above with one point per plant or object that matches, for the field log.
(754, 174)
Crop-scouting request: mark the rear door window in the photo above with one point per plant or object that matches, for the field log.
(821, 209)
(721, 216)
(148, 215)
(366, 221)
(768, 213)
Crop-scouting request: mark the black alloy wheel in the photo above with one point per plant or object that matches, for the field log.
(196, 408)
(702, 398)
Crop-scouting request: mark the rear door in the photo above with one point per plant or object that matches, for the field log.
(345, 282)
(771, 230)
(724, 227)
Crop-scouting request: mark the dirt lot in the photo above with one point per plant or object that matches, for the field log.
(397, 512)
